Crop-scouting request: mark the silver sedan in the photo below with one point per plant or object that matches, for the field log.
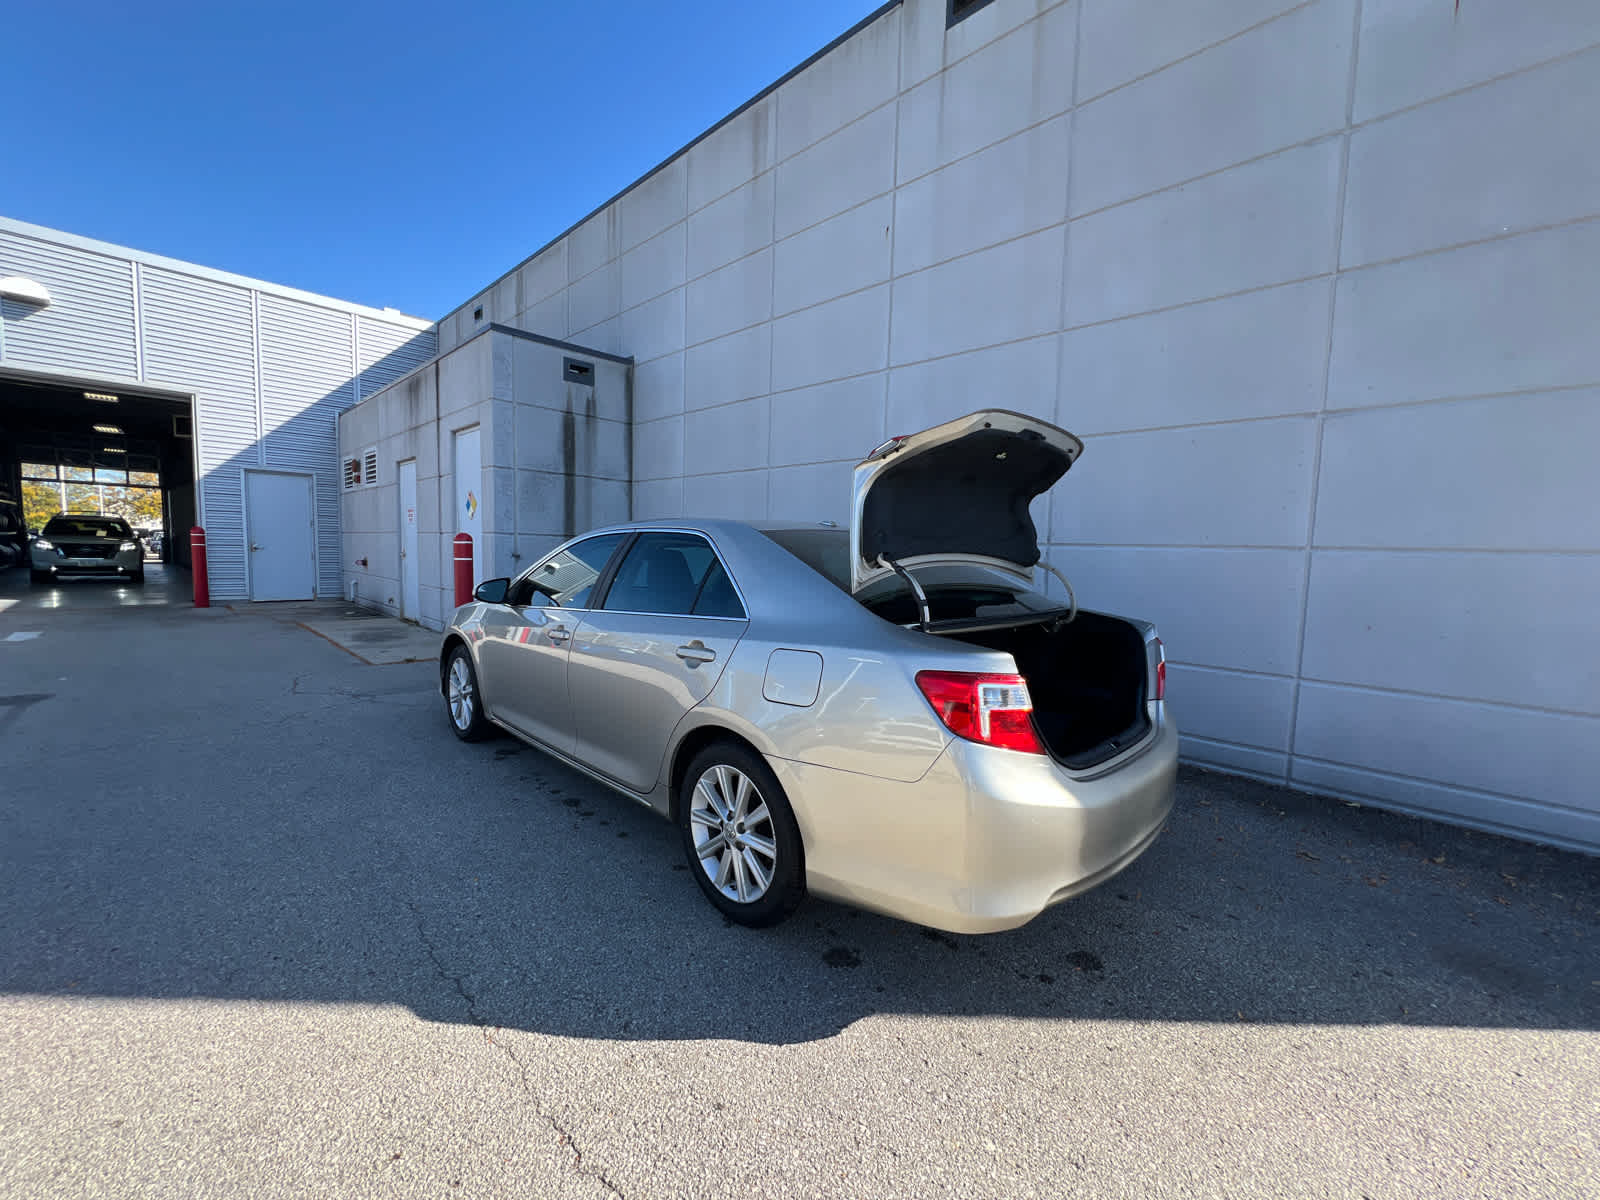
(86, 544)
(893, 715)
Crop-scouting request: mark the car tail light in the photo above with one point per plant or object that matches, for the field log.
(1160, 670)
(993, 709)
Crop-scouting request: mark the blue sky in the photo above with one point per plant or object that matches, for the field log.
(391, 153)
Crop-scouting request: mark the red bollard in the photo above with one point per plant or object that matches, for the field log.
(463, 545)
(197, 567)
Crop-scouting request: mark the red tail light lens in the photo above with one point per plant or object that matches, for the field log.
(1161, 671)
(993, 709)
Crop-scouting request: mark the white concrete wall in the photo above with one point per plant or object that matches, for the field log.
(1317, 282)
(555, 462)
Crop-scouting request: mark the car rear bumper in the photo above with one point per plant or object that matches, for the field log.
(987, 839)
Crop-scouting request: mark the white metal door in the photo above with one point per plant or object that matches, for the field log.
(468, 492)
(278, 521)
(410, 594)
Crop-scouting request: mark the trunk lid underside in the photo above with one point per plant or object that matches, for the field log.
(957, 492)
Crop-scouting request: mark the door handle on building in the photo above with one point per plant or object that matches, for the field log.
(254, 547)
(696, 652)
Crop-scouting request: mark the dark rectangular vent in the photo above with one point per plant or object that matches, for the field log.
(182, 425)
(575, 370)
(960, 10)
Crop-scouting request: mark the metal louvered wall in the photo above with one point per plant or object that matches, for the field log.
(386, 352)
(269, 370)
(89, 324)
(305, 384)
(200, 335)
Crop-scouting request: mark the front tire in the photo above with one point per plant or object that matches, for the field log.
(138, 576)
(463, 703)
(38, 577)
(740, 836)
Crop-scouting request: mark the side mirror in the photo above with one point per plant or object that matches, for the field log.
(492, 591)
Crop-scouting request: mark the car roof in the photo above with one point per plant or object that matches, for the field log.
(709, 525)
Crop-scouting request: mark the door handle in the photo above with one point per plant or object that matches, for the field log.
(254, 547)
(557, 633)
(696, 652)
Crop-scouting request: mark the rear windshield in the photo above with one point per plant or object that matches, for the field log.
(87, 527)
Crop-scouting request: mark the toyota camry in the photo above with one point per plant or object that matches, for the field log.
(896, 715)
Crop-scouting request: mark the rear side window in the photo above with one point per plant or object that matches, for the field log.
(825, 551)
(674, 574)
(566, 579)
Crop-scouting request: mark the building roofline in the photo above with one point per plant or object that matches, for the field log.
(490, 328)
(576, 347)
(111, 250)
(870, 19)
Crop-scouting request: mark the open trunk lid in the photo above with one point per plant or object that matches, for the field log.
(956, 493)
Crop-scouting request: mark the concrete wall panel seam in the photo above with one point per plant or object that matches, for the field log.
(1327, 372)
(1196, 53)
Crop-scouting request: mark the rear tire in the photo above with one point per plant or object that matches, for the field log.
(740, 836)
(463, 703)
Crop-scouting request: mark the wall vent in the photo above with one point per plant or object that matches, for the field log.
(352, 473)
(960, 10)
(576, 370)
(369, 466)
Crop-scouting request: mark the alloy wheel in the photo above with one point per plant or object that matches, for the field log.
(460, 694)
(733, 834)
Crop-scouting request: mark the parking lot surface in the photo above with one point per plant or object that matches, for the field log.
(267, 928)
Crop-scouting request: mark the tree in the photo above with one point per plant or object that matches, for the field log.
(40, 502)
(139, 507)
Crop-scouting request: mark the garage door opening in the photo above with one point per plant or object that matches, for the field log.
(95, 450)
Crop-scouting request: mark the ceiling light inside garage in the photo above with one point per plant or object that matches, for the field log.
(108, 429)
(112, 450)
(106, 396)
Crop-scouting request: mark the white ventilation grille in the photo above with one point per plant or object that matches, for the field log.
(369, 465)
(352, 473)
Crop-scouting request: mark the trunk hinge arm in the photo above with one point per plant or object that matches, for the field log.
(1072, 599)
(916, 589)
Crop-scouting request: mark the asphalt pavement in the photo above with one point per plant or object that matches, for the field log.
(267, 928)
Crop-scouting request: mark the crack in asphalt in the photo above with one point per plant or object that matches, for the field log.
(563, 1135)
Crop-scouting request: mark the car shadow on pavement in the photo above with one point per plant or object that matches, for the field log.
(372, 858)
(1257, 904)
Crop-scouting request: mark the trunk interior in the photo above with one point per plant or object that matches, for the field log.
(1087, 680)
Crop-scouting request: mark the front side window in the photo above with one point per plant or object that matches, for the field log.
(566, 579)
(674, 574)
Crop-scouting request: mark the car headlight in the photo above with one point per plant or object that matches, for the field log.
(44, 545)
(128, 546)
